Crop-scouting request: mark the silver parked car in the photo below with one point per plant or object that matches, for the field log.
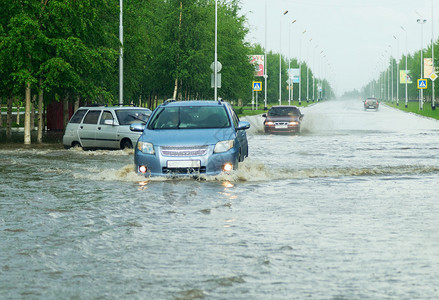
(104, 127)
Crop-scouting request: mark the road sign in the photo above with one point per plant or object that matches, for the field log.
(219, 66)
(422, 83)
(257, 86)
(433, 76)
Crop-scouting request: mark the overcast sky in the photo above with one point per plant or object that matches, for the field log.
(353, 34)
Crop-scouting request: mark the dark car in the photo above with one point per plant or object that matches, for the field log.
(283, 119)
(371, 103)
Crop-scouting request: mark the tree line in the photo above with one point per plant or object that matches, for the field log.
(68, 52)
(383, 88)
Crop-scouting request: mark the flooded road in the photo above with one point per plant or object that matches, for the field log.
(346, 210)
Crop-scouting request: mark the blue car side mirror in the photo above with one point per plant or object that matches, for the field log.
(242, 125)
(137, 127)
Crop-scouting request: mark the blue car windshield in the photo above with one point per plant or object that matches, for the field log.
(189, 117)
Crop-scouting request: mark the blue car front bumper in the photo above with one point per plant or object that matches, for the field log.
(162, 165)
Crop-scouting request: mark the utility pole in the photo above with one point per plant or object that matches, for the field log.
(433, 107)
(121, 54)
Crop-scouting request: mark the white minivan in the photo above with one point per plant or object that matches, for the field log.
(104, 127)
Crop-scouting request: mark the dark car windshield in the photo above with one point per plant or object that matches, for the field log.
(130, 116)
(283, 111)
(189, 117)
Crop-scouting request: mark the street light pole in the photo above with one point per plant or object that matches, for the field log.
(421, 94)
(265, 59)
(300, 69)
(406, 75)
(433, 107)
(391, 72)
(397, 72)
(121, 54)
(290, 83)
(215, 97)
(280, 57)
(307, 72)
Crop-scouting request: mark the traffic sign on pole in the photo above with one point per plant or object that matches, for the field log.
(422, 84)
(257, 86)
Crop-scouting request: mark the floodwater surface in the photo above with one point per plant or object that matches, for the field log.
(346, 210)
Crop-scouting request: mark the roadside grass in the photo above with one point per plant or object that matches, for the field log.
(413, 107)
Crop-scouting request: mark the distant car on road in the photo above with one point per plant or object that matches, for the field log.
(102, 127)
(283, 119)
(189, 138)
(371, 103)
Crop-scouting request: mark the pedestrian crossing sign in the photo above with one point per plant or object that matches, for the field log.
(422, 83)
(257, 86)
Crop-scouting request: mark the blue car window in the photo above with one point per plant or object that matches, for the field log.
(190, 117)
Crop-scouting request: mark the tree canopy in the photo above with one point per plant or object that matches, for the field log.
(70, 50)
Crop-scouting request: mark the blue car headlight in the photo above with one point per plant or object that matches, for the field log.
(223, 146)
(145, 147)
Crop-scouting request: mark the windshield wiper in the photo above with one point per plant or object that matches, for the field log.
(137, 118)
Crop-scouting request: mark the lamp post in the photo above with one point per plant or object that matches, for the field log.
(383, 82)
(397, 72)
(265, 59)
(406, 75)
(421, 94)
(388, 77)
(215, 97)
(121, 54)
(391, 72)
(290, 89)
(280, 57)
(307, 72)
(300, 69)
(313, 74)
(433, 107)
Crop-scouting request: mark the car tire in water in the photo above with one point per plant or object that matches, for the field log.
(126, 144)
(76, 145)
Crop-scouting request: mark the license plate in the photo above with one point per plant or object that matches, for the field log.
(281, 126)
(184, 163)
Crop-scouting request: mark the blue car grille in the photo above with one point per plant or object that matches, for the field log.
(194, 171)
(184, 151)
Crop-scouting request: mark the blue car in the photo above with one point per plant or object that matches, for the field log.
(190, 138)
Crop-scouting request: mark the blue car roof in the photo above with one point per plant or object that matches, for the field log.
(194, 103)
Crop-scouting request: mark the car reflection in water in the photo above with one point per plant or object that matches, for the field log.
(283, 119)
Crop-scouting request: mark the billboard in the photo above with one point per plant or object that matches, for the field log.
(294, 75)
(428, 67)
(404, 76)
(258, 62)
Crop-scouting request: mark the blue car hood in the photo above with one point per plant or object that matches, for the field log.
(187, 137)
